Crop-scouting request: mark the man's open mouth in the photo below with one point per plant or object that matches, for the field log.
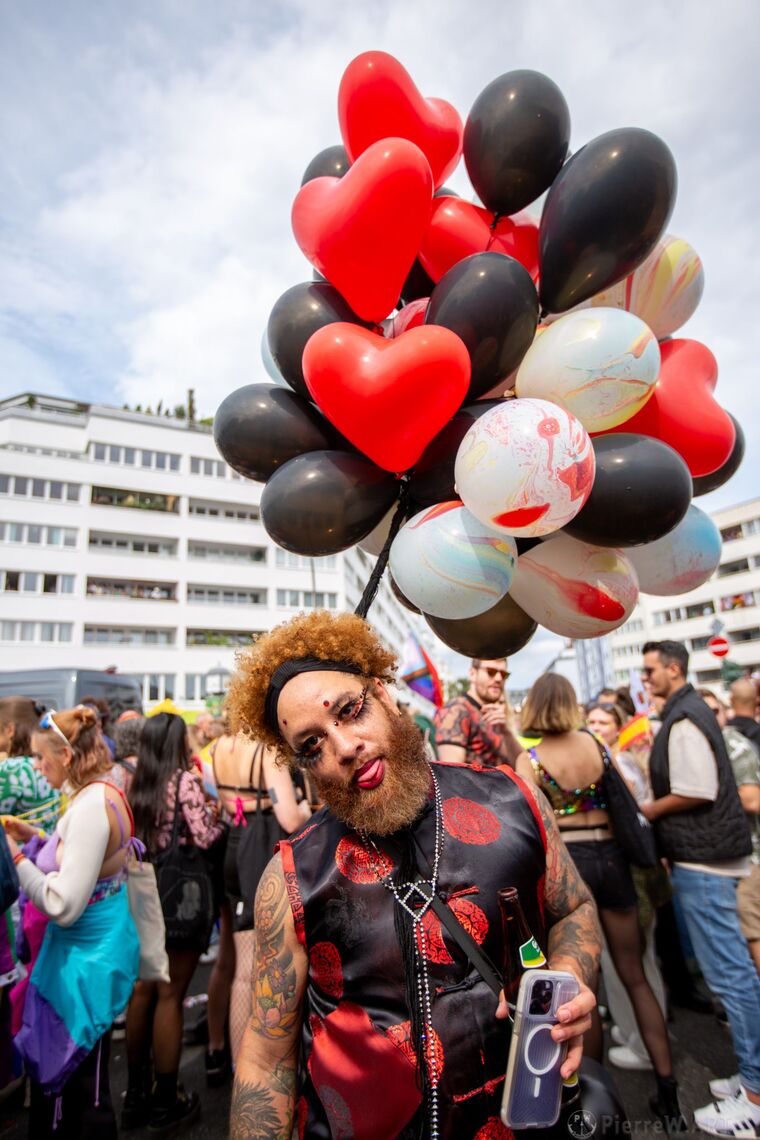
(371, 774)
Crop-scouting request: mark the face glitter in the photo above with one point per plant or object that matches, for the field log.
(326, 704)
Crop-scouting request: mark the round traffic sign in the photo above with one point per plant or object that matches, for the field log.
(718, 646)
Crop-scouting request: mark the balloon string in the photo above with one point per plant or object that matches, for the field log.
(370, 590)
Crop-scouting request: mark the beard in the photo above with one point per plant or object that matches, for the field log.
(398, 801)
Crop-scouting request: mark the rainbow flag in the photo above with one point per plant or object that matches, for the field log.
(419, 672)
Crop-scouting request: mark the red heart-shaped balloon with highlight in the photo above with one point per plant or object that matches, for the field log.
(377, 100)
(457, 229)
(362, 231)
(682, 410)
(389, 397)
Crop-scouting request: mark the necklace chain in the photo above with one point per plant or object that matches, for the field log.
(421, 891)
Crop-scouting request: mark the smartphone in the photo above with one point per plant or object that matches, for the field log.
(533, 1088)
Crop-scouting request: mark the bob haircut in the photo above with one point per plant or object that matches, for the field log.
(551, 707)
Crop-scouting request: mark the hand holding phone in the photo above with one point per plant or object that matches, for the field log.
(533, 1088)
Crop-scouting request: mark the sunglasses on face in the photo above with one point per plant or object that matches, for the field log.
(502, 674)
(47, 722)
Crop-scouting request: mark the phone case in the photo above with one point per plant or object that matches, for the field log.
(533, 1088)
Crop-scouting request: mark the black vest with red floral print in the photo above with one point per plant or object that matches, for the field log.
(358, 1074)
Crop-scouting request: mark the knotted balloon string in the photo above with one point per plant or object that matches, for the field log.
(370, 590)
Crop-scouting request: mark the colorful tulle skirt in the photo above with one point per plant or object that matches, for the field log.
(81, 980)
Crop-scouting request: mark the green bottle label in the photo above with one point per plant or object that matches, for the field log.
(531, 956)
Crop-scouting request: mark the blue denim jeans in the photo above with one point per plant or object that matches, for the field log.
(708, 904)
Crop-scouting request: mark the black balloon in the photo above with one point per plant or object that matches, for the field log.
(402, 597)
(259, 427)
(296, 316)
(516, 139)
(417, 285)
(432, 480)
(332, 162)
(604, 214)
(642, 489)
(491, 303)
(704, 483)
(325, 501)
(499, 632)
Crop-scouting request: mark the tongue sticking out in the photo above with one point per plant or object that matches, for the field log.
(371, 775)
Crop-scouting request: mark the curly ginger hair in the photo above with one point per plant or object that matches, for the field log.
(337, 637)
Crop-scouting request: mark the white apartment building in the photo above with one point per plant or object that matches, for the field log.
(126, 541)
(731, 597)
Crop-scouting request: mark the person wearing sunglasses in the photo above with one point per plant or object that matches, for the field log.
(366, 1013)
(89, 955)
(702, 831)
(474, 728)
(745, 762)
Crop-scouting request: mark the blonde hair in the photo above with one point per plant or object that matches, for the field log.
(551, 707)
(91, 756)
(338, 637)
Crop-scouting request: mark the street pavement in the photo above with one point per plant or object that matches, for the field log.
(701, 1045)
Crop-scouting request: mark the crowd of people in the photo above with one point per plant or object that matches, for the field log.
(338, 967)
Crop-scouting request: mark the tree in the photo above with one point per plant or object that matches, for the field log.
(456, 688)
(191, 408)
(179, 411)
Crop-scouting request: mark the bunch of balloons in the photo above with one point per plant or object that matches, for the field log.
(513, 382)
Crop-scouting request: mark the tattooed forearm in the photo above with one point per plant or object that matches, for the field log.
(274, 974)
(254, 1115)
(575, 935)
(265, 1079)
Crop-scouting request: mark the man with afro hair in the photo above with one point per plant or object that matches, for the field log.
(368, 1018)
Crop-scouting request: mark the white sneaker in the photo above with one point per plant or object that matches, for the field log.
(723, 1088)
(734, 1117)
(624, 1058)
(617, 1035)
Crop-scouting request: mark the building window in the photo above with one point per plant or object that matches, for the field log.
(731, 533)
(219, 595)
(155, 686)
(221, 637)
(127, 635)
(737, 601)
(701, 609)
(32, 582)
(195, 686)
(303, 562)
(211, 468)
(216, 552)
(139, 500)
(736, 567)
(127, 588)
(46, 631)
(126, 456)
(25, 488)
(306, 599)
(132, 544)
(223, 511)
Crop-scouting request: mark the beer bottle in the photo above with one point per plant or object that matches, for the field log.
(521, 951)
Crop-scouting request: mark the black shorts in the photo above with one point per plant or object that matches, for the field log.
(605, 871)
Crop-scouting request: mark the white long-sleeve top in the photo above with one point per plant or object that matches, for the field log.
(84, 831)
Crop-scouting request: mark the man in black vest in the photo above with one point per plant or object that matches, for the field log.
(702, 830)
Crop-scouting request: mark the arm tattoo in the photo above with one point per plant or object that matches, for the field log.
(254, 1115)
(272, 795)
(274, 975)
(575, 932)
(265, 1082)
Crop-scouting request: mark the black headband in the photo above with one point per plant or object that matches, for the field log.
(290, 669)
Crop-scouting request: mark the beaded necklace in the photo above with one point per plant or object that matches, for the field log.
(405, 895)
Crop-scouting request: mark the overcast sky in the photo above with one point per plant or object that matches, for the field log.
(150, 152)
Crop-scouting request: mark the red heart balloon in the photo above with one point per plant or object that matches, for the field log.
(378, 100)
(457, 229)
(362, 231)
(389, 397)
(682, 410)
